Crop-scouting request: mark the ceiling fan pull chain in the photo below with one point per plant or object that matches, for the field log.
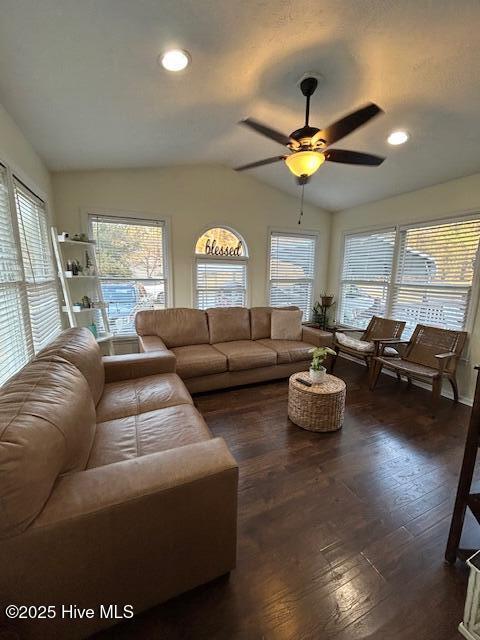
(301, 206)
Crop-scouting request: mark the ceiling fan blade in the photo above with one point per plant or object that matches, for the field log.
(346, 125)
(260, 163)
(266, 131)
(353, 157)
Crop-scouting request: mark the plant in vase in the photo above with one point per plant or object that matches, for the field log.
(317, 370)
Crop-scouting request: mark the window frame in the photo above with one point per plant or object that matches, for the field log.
(464, 216)
(200, 257)
(14, 173)
(290, 232)
(134, 217)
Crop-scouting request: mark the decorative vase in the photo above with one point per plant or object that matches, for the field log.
(318, 376)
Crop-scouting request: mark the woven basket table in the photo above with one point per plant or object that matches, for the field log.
(317, 408)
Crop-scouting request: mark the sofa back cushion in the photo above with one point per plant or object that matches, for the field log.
(228, 323)
(79, 347)
(47, 426)
(286, 324)
(176, 327)
(261, 318)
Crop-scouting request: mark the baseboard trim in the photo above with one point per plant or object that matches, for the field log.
(446, 392)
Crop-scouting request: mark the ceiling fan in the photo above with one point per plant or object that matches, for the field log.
(309, 146)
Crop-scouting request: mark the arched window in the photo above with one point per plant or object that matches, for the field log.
(221, 258)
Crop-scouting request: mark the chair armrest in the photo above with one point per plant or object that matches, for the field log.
(138, 365)
(444, 358)
(390, 340)
(317, 337)
(381, 343)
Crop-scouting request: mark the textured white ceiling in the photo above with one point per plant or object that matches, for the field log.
(81, 79)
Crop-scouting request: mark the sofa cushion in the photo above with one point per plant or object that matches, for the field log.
(131, 397)
(146, 433)
(289, 350)
(176, 327)
(228, 323)
(286, 324)
(78, 346)
(199, 360)
(260, 321)
(246, 354)
(47, 425)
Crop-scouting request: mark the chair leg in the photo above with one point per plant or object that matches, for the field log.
(375, 372)
(436, 391)
(453, 382)
(409, 381)
(399, 377)
(334, 359)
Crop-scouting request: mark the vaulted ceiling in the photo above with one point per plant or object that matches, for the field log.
(81, 79)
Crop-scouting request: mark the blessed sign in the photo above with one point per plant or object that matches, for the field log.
(214, 249)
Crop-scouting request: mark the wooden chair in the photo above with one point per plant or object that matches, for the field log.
(430, 355)
(365, 346)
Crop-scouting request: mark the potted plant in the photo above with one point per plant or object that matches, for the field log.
(317, 370)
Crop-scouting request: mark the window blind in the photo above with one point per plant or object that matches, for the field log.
(40, 281)
(15, 340)
(435, 274)
(132, 264)
(292, 271)
(221, 283)
(366, 276)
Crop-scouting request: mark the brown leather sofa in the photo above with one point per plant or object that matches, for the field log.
(112, 488)
(224, 347)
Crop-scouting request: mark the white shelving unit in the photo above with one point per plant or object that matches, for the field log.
(75, 287)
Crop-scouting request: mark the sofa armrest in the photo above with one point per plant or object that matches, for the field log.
(317, 337)
(151, 343)
(138, 365)
(111, 487)
(136, 532)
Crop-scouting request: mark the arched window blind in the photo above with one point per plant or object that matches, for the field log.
(220, 269)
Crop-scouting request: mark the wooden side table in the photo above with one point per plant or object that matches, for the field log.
(320, 407)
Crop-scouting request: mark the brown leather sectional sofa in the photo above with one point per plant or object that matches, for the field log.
(224, 347)
(112, 489)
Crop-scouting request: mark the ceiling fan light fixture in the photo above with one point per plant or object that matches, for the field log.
(398, 137)
(304, 163)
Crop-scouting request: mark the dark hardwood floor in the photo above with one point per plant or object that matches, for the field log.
(341, 535)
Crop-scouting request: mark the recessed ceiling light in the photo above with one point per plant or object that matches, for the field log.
(398, 137)
(175, 59)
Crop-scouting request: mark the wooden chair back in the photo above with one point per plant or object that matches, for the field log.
(427, 342)
(383, 328)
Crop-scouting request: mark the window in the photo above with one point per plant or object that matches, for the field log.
(366, 276)
(220, 269)
(29, 307)
(132, 265)
(419, 274)
(292, 270)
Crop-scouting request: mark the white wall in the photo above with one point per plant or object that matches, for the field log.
(441, 201)
(16, 151)
(193, 197)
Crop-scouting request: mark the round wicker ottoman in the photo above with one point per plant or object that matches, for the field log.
(317, 408)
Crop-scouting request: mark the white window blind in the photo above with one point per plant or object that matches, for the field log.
(221, 283)
(366, 277)
(292, 270)
(431, 283)
(435, 272)
(15, 339)
(40, 279)
(132, 264)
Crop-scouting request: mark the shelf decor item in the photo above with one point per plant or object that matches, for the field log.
(320, 310)
(82, 292)
(318, 372)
